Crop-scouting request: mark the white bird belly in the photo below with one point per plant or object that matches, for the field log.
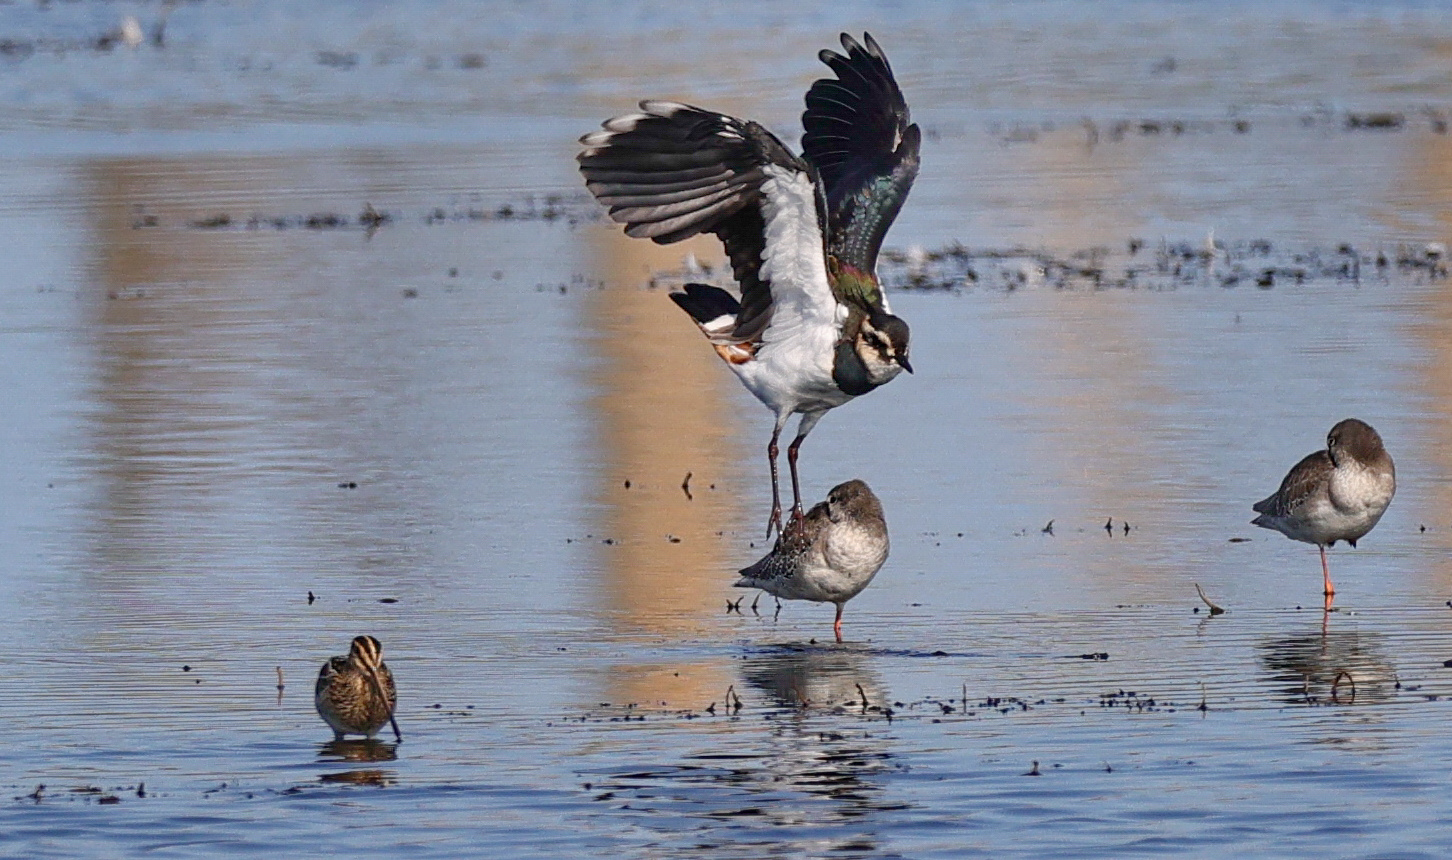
(795, 374)
(1354, 505)
(846, 564)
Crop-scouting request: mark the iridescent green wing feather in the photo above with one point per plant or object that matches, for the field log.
(860, 140)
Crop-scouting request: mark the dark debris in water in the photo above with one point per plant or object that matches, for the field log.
(1117, 130)
(1383, 121)
(1166, 266)
(84, 793)
(20, 48)
(369, 219)
(570, 209)
(347, 60)
(864, 712)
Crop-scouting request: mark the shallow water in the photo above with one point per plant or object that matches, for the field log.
(242, 427)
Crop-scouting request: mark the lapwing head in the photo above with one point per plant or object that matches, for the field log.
(882, 344)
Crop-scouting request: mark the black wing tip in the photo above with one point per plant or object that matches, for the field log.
(912, 139)
(705, 302)
(863, 75)
(868, 45)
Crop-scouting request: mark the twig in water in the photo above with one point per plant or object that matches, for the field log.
(863, 693)
(1033, 771)
(1337, 682)
(1204, 707)
(777, 614)
(280, 685)
(756, 601)
(733, 701)
(686, 487)
(1214, 610)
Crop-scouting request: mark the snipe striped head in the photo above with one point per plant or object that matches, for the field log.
(366, 653)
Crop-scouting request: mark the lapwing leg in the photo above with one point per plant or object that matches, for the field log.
(837, 625)
(796, 483)
(773, 522)
(809, 420)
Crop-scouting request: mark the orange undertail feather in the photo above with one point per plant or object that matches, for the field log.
(736, 353)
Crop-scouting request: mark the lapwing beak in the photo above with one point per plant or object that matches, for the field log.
(902, 360)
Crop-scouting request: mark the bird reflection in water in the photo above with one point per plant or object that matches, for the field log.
(369, 750)
(378, 778)
(361, 751)
(1330, 667)
(839, 761)
(814, 762)
(804, 676)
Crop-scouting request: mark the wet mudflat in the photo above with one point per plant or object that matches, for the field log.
(313, 335)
